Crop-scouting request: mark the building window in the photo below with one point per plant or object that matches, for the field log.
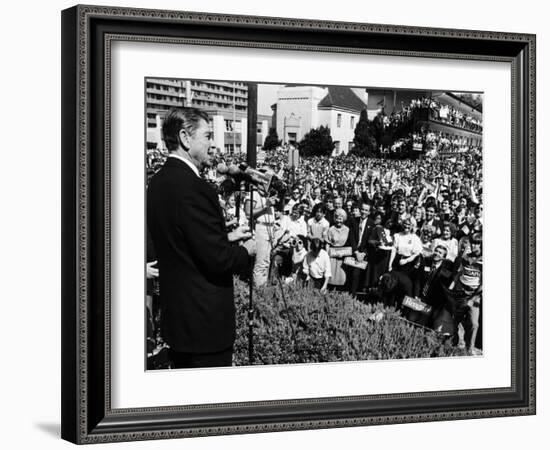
(337, 147)
(339, 120)
(352, 122)
(228, 125)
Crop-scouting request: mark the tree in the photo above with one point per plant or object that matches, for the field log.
(317, 142)
(475, 100)
(272, 140)
(364, 142)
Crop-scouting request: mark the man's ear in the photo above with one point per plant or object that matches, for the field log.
(184, 139)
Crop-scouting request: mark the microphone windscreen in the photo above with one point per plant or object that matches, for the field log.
(234, 171)
(222, 169)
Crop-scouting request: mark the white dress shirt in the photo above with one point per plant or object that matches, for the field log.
(317, 267)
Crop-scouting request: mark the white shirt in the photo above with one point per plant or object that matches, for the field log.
(362, 223)
(189, 163)
(260, 202)
(407, 245)
(297, 227)
(318, 228)
(317, 267)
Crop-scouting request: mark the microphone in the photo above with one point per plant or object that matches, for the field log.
(244, 173)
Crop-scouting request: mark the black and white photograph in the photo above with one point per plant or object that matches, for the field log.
(307, 219)
(295, 224)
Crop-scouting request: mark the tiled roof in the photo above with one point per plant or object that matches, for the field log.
(342, 97)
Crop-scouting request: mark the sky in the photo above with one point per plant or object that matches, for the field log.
(267, 95)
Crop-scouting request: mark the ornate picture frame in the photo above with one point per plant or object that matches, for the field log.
(88, 33)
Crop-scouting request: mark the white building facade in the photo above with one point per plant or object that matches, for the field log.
(301, 108)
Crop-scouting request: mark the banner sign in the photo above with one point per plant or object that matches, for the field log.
(339, 252)
(416, 304)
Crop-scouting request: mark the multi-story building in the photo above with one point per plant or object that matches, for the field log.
(301, 108)
(226, 103)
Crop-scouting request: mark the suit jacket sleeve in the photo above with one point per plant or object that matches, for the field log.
(203, 226)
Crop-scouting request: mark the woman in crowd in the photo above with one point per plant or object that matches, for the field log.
(419, 215)
(337, 237)
(427, 238)
(448, 241)
(234, 218)
(406, 249)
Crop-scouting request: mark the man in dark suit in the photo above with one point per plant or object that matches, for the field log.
(196, 260)
(359, 233)
(435, 275)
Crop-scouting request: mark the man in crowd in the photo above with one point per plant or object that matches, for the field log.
(196, 260)
(467, 292)
(436, 274)
(359, 233)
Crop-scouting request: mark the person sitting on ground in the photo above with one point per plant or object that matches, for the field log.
(316, 266)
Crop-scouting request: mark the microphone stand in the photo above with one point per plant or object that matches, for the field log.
(250, 285)
(238, 202)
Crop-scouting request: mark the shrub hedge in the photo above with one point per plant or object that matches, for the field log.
(315, 327)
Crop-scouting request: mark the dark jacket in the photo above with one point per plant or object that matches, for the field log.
(195, 260)
(435, 282)
(395, 286)
(356, 243)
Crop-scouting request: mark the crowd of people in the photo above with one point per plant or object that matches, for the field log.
(404, 232)
(439, 112)
(430, 143)
(407, 233)
(408, 140)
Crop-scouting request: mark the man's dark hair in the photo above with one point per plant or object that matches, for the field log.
(319, 207)
(315, 246)
(178, 119)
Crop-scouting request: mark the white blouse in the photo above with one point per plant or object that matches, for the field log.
(407, 244)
